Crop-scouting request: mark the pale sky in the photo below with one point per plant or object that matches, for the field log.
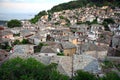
(27, 6)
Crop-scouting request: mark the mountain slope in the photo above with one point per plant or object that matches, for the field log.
(76, 4)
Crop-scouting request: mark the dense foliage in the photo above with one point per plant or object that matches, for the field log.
(76, 4)
(83, 3)
(24, 41)
(5, 46)
(38, 16)
(29, 69)
(111, 76)
(81, 75)
(14, 23)
(38, 47)
(106, 22)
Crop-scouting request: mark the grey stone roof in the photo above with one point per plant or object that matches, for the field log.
(26, 32)
(87, 63)
(79, 26)
(2, 40)
(22, 49)
(93, 47)
(6, 32)
(67, 45)
(48, 49)
(115, 40)
(54, 44)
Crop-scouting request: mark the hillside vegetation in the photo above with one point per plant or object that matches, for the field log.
(76, 4)
(31, 69)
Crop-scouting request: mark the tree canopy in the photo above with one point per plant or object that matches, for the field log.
(81, 75)
(38, 16)
(75, 4)
(24, 41)
(29, 69)
(14, 23)
(106, 22)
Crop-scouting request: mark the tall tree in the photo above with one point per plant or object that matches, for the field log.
(14, 23)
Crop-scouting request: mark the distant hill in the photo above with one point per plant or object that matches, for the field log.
(82, 3)
(77, 4)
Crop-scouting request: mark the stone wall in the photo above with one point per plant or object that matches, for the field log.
(115, 59)
(69, 52)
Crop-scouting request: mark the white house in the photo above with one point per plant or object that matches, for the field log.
(92, 35)
(15, 30)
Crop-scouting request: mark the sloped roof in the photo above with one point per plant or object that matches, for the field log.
(48, 49)
(67, 45)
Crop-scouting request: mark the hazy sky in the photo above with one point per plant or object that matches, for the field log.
(27, 6)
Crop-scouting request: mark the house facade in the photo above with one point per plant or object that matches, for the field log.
(68, 48)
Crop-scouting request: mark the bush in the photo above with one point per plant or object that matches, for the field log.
(29, 69)
(14, 23)
(111, 76)
(5, 46)
(81, 75)
(24, 41)
(38, 16)
(38, 47)
(106, 22)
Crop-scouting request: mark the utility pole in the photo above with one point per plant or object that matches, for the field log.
(72, 68)
(96, 47)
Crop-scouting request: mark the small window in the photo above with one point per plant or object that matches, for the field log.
(46, 54)
(67, 54)
(5, 55)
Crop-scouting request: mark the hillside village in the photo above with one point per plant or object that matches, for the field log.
(74, 39)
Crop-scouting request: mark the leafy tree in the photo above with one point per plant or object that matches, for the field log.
(111, 76)
(16, 42)
(81, 75)
(29, 69)
(106, 22)
(94, 21)
(61, 17)
(25, 41)
(38, 47)
(60, 54)
(16, 34)
(14, 23)
(38, 16)
(109, 21)
(5, 46)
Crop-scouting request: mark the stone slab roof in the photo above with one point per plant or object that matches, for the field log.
(67, 45)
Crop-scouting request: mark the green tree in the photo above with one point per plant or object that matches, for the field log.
(106, 22)
(29, 69)
(14, 23)
(38, 16)
(111, 76)
(16, 42)
(109, 21)
(38, 47)
(5, 46)
(81, 75)
(25, 41)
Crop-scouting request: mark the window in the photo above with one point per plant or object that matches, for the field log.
(46, 54)
(67, 54)
(5, 55)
